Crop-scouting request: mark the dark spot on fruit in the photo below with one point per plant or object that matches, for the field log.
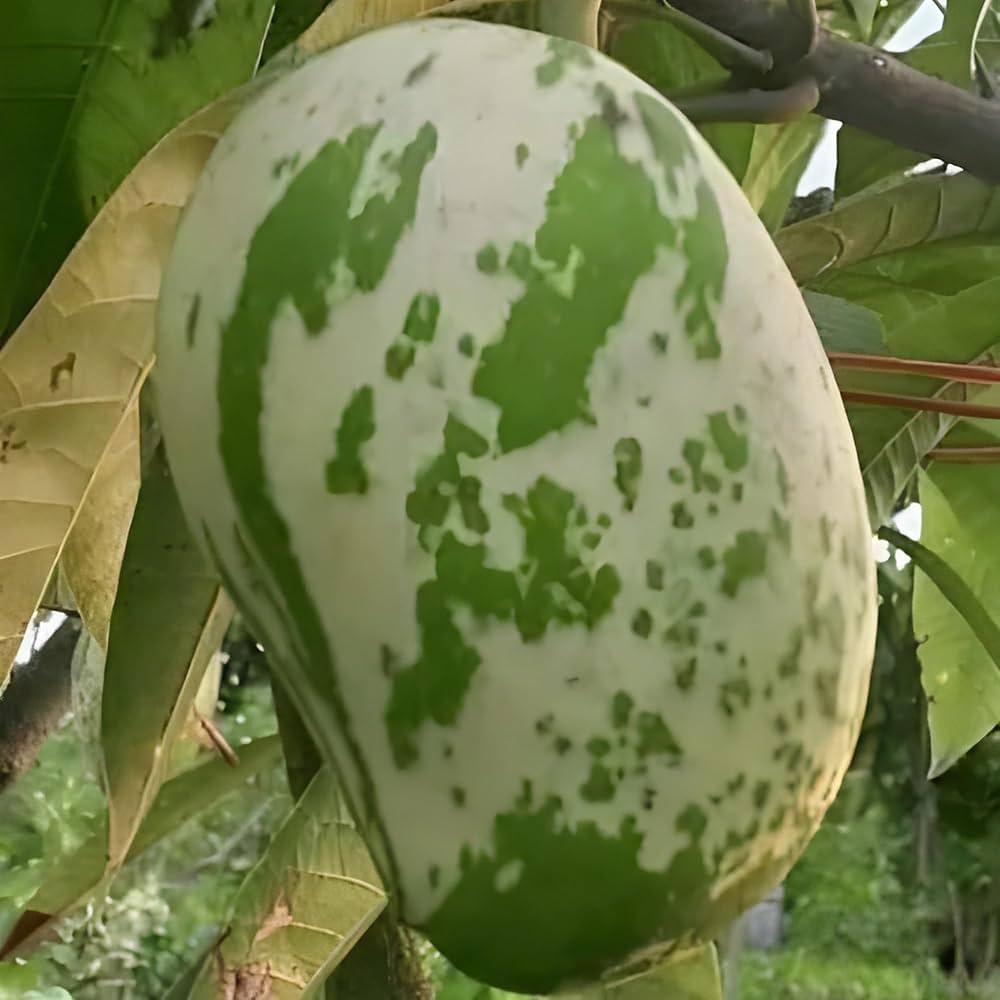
(684, 673)
(192, 320)
(680, 516)
(389, 660)
(621, 709)
(419, 71)
(642, 623)
(488, 259)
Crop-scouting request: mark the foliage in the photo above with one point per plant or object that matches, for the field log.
(163, 910)
(801, 975)
(111, 108)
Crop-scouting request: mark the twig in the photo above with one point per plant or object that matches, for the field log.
(979, 374)
(218, 740)
(928, 404)
(864, 87)
(762, 107)
(725, 49)
(966, 456)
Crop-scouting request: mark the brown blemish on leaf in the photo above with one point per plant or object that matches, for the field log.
(60, 368)
(280, 916)
(250, 982)
(7, 442)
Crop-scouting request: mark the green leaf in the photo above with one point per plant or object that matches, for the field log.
(302, 756)
(890, 18)
(88, 87)
(845, 326)
(960, 641)
(891, 443)
(168, 620)
(77, 876)
(778, 157)
(291, 18)
(886, 235)
(302, 908)
(963, 20)
(864, 14)
(692, 975)
(864, 159)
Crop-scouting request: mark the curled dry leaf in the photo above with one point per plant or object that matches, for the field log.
(72, 371)
(71, 374)
(346, 18)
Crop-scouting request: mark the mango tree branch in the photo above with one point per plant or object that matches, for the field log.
(863, 86)
(34, 701)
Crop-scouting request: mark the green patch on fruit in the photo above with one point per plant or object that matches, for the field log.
(703, 238)
(273, 277)
(422, 317)
(553, 585)
(731, 443)
(488, 259)
(562, 55)
(744, 560)
(628, 470)
(346, 472)
(580, 238)
(655, 736)
(584, 932)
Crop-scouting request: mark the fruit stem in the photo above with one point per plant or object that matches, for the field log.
(910, 366)
(728, 51)
(576, 20)
(929, 404)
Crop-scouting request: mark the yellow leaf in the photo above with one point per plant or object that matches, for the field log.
(346, 18)
(72, 371)
(93, 554)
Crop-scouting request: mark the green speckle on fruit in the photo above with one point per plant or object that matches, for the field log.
(655, 737)
(642, 623)
(628, 470)
(488, 259)
(731, 443)
(422, 318)
(345, 472)
(599, 786)
(745, 560)
(562, 54)
(621, 709)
